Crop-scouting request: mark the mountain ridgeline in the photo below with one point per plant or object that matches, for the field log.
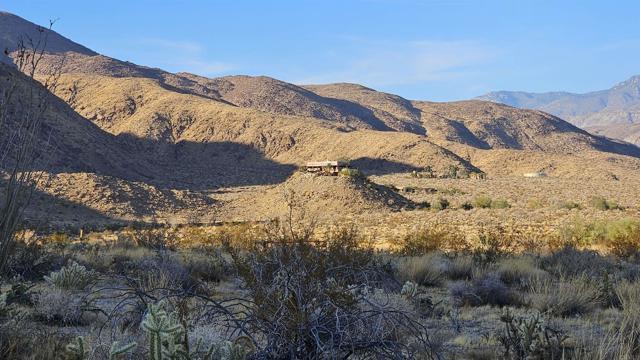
(614, 112)
(181, 136)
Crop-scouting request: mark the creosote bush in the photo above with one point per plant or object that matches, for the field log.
(482, 202)
(486, 202)
(440, 204)
(602, 203)
(433, 238)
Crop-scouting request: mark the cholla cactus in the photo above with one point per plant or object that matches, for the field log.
(409, 289)
(76, 350)
(228, 350)
(166, 334)
(71, 276)
(4, 307)
(118, 350)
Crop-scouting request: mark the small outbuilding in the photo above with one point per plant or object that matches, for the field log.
(328, 167)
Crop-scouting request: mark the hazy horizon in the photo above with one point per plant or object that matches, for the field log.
(431, 50)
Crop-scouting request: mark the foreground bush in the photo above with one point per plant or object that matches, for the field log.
(485, 290)
(566, 297)
(427, 270)
(317, 300)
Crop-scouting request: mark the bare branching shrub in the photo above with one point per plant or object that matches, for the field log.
(312, 299)
(23, 105)
(155, 239)
(58, 306)
(207, 266)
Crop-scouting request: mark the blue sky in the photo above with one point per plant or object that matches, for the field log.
(421, 49)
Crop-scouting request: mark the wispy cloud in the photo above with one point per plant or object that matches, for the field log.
(186, 56)
(410, 62)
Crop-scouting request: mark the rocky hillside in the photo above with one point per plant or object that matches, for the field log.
(146, 142)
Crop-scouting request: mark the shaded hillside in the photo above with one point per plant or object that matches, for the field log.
(395, 111)
(613, 107)
(487, 125)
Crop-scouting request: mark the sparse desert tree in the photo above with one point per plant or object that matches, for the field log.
(22, 109)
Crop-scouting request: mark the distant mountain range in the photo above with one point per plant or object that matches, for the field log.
(614, 112)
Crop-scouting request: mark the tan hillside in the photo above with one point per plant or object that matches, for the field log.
(278, 97)
(320, 196)
(399, 113)
(145, 109)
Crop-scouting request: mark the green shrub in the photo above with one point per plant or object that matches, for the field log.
(500, 204)
(579, 233)
(432, 238)
(450, 191)
(569, 205)
(352, 173)
(482, 202)
(440, 204)
(602, 203)
(623, 237)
